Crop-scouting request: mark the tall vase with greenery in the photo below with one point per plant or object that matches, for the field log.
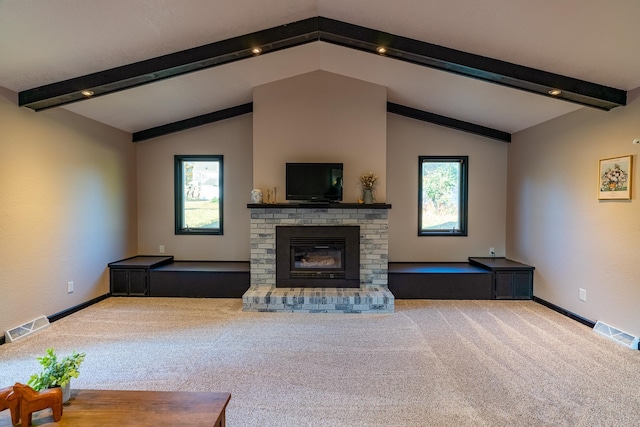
(57, 372)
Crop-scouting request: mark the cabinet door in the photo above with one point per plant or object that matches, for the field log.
(514, 285)
(119, 282)
(137, 282)
(523, 285)
(504, 285)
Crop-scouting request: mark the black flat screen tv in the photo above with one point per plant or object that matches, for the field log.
(315, 182)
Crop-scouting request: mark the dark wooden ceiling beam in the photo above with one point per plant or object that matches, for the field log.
(172, 65)
(331, 31)
(193, 122)
(471, 65)
(449, 122)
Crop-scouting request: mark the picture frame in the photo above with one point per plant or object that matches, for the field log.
(615, 176)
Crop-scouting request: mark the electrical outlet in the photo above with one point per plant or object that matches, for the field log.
(583, 294)
(492, 251)
(69, 287)
(161, 249)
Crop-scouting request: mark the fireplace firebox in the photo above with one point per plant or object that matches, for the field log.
(318, 256)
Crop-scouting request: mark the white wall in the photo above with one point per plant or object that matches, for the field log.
(320, 117)
(407, 140)
(156, 224)
(557, 224)
(67, 209)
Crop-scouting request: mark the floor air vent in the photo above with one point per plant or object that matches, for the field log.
(27, 329)
(617, 335)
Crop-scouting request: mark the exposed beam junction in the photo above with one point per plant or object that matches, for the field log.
(331, 31)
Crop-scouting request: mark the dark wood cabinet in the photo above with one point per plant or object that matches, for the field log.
(130, 277)
(129, 281)
(161, 276)
(511, 279)
(513, 285)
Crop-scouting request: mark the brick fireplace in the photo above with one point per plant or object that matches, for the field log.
(372, 294)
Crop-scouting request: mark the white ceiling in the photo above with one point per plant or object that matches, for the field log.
(44, 42)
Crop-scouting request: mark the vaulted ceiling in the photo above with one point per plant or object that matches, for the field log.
(486, 63)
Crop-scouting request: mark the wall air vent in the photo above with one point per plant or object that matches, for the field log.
(27, 329)
(617, 335)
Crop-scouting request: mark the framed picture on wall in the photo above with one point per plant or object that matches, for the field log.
(614, 178)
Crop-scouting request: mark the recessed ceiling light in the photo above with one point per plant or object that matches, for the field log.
(256, 51)
(381, 49)
(87, 93)
(555, 92)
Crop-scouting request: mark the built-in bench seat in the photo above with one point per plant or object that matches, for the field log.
(439, 280)
(480, 278)
(200, 279)
(162, 276)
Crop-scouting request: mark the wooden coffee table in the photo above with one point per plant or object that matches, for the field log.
(135, 408)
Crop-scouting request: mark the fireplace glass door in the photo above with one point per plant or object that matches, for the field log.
(320, 256)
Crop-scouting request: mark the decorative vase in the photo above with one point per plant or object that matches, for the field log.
(367, 196)
(256, 196)
(66, 392)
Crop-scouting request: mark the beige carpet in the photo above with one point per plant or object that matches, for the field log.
(432, 363)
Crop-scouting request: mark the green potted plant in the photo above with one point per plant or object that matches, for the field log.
(57, 372)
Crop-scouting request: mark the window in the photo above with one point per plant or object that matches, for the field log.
(443, 196)
(198, 194)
